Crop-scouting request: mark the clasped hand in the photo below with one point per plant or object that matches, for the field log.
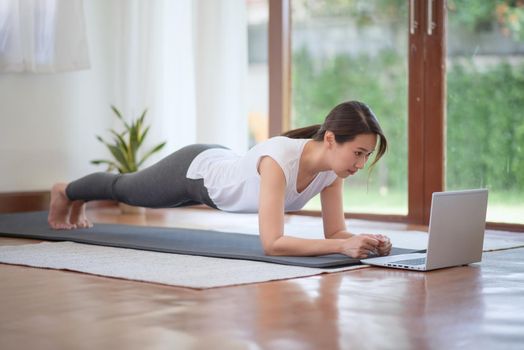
(363, 245)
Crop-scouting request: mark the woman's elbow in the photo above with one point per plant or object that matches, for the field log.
(269, 248)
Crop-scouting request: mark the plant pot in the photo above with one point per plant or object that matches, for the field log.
(130, 209)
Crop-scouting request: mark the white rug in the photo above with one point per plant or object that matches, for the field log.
(171, 269)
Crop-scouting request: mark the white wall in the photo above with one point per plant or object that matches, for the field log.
(48, 122)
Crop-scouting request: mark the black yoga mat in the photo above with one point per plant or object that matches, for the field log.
(165, 239)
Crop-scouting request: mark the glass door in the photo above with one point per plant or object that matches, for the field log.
(356, 50)
(485, 103)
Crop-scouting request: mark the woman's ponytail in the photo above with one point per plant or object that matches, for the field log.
(307, 132)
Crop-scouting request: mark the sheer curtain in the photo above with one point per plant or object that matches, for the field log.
(42, 36)
(221, 72)
(186, 61)
(154, 68)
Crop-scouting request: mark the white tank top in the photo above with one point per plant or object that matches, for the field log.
(233, 181)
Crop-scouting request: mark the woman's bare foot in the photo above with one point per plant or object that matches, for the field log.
(59, 208)
(77, 216)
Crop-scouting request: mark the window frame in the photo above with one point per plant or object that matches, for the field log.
(426, 116)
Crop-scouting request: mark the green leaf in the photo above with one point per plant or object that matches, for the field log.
(120, 142)
(143, 136)
(120, 158)
(110, 164)
(119, 153)
(142, 117)
(133, 143)
(151, 152)
(100, 161)
(119, 116)
(117, 112)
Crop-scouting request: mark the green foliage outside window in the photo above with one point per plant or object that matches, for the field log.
(317, 89)
(485, 107)
(486, 127)
(485, 113)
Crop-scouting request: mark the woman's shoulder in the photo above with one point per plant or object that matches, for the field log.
(280, 146)
(282, 142)
(283, 150)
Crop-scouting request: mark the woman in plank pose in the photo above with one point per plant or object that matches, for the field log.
(276, 176)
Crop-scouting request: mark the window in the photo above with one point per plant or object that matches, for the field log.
(355, 50)
(485, 103)
(457, 114)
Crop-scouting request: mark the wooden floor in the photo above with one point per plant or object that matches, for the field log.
(480, 306)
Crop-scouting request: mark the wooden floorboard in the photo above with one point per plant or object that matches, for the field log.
(480, 306)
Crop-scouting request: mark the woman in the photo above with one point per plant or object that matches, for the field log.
(274, 177)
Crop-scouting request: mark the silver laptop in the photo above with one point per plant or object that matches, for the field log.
(456, 233)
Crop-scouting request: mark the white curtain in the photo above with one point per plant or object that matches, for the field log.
(155, 68)
(42, 36)
(187, 64)
(221, 74)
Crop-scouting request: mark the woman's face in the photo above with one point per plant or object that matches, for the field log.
(349, 157)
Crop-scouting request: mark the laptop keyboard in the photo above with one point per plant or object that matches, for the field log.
(418, 261)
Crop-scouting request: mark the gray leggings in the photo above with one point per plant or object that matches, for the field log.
(162, 185)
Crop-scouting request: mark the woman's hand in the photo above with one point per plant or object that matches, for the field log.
(361, 246)
(384, 246)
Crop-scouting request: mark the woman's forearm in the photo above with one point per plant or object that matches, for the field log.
(294, 246)
(341, 235)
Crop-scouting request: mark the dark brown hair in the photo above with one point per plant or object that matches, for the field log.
(347, 120)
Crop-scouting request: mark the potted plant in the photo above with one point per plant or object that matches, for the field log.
(124, 148)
